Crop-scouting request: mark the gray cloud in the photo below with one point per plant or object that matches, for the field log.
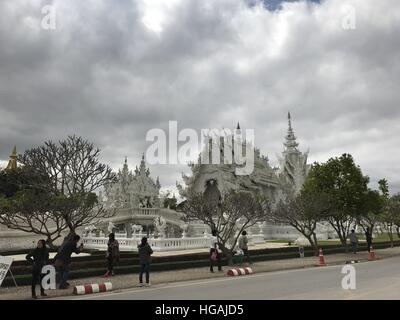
(106, 75)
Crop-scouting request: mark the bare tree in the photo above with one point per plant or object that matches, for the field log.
(229, 215)
(303, 211)
(75, 173)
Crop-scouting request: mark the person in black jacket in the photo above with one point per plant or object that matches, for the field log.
(39, 258)
(63, 259)
(145, 252)
(112, 254)
(369, 239)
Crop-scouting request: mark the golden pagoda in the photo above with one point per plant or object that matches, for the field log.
(12, 163)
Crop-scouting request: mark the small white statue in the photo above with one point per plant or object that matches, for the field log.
(184, 230)
(110, 227)
(160, 224)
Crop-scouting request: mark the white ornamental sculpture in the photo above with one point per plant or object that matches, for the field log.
(89, 230)
(301, 241)
(261, 228)
(137, 230)
(110, 227)
(161, 225)
(184, 230)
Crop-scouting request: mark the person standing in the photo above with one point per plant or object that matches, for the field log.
(368, 238)
(353, 241)
(39, 258)
(112, 254)
(145, 253)
(243, 241)
(214, 252)
(63, 259)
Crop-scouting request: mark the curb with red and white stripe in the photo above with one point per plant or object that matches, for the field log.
(239, 271)
(92, 288)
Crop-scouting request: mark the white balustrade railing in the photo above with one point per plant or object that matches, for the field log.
(145, 211)
(131, 244)
(159, 244)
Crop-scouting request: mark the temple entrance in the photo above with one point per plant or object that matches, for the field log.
(211, 192)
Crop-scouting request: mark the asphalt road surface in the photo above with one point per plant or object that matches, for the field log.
(374, 280)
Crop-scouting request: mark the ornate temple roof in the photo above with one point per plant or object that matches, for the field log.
(133, 189)
(292, 170)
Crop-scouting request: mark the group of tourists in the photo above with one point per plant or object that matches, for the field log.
(39, 257)
(354, 240)
(215, 252)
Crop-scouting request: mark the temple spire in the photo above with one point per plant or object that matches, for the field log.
(238, 126)
(290, 142)
(125, 167)
(12, 163)
(142, 163)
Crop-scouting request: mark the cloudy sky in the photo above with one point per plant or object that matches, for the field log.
(112, 70)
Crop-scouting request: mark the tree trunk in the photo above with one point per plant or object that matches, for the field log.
(343, 241)
(229, 259)
(391, 236)
(50, 242)
(228, 255)
(312, 243)
(315, 244)
(340, 231)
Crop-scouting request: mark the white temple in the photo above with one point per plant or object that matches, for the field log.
(134, 198)
(133, 190)
(292, 172)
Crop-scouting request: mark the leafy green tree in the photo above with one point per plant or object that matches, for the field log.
(28, 204)
(391, 215)
(344, 182)
(371, 210)
(394, 210)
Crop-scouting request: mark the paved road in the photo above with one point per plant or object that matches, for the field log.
(374, 280)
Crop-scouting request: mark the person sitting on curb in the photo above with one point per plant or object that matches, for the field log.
(145, 253)
(39, 258)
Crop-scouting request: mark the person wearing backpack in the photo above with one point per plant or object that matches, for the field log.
(112, 254)
(145, 253)
(214, 253)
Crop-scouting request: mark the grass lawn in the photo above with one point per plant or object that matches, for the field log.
(384, 237)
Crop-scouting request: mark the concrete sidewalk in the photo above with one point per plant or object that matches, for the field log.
(128, 281)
